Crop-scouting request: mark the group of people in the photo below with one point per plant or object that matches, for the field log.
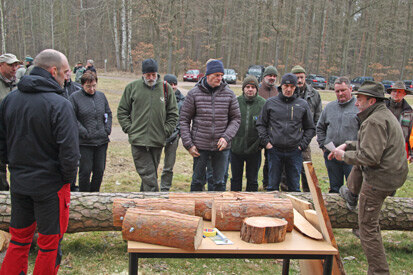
(49, 123)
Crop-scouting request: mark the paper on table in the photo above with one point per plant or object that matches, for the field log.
(330, 146)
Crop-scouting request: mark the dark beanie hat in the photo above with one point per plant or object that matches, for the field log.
(170, 78)
(289, 79)
(250, 80)
(214, 66)
(149, 66)
(270, 70)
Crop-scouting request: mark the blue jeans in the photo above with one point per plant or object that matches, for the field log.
(252, 166)
(209, 174)
(292, 161)
(219, 162)
(336, 170)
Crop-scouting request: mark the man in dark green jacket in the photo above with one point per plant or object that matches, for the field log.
(148, 113)
(246, 144)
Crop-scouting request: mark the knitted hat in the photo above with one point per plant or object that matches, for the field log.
(8, 58)
(270, 70)
(250, 80)
(214, 66)
(149, 66)
(28, 59)
(170, 78)
(371, 88)
(289, 79)
(297, 69)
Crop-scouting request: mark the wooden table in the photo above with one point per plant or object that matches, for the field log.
(295, 246)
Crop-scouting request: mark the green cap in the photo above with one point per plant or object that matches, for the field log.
(270, 70)
(297, 69)
(250, 80)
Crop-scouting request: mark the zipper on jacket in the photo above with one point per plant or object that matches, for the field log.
(213, 119)
(247, 125)
(292, 112)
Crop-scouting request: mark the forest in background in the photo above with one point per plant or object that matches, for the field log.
(327, 37)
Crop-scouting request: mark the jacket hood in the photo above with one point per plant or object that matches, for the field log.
(39, 81)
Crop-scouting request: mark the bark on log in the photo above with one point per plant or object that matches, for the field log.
(263, 230)
(228, 214)
(163, 227)
(120, 206)
(93, 211)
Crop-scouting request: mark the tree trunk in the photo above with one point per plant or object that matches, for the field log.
(120, 206)
(123, 28)
(93, 211)
(163, 227)
(3, 34)
(228, 214)
(263, 230)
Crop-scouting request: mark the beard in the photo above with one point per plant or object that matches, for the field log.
(269, 83)
(150, 82)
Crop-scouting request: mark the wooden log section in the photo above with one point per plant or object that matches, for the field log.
(263, 230)
(203, 201)
(228, 214)
(163, 227)
(121, 205)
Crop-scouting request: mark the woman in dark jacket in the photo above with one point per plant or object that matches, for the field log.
(94, 120)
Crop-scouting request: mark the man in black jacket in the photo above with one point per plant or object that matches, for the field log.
(286, 128)
(39, 142)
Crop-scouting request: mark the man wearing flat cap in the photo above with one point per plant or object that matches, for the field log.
(148, 113)
(379, 169)
(402, 111)
(286, 128)
(8, 68)
(209, 120)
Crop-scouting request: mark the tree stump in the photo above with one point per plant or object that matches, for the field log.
(228, 214)
(263, 230)
(120, 206)
(163, 227)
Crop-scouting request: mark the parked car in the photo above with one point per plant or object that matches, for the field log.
(316, 81)
(356, 82)
(255, 70)
(230, 76)
(409, 84)
(193, 75)
(330, 82)
(387, 84)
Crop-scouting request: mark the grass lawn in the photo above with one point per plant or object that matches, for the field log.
(105, 252)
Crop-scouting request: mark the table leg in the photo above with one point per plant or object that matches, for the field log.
(133, 264)
(286, 266)
(328, 265)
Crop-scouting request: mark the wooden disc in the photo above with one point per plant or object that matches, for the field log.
(263, 230)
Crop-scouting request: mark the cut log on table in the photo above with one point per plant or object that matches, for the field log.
(228, 214)
(93, 211)
(121, 205)
(203, 201)
(163, 227)
(305, 227)
(263, 230)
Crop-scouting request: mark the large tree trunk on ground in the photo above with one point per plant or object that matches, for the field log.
(163, 227)
(93, 211)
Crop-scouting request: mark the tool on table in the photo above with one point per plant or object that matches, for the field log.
(220, 238)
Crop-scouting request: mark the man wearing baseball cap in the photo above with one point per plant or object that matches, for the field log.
(8, 68)
(379, 168)
(148, 113)
(286, 128)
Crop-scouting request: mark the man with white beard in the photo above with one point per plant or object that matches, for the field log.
(148, 113)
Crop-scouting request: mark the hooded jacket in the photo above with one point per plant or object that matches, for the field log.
(286, 122)
(213, 115)
(38, 135)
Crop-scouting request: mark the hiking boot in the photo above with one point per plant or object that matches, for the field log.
(350, 198)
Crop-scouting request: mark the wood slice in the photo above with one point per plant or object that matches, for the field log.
(163, 227)
(120, 206)
(305, 227)
(228, 214)
(263, 230)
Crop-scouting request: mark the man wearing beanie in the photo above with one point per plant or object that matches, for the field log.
(267, 89)
(286, 128)
(313, 98)
(171, 143)
(246, 146)
(209, 120)
(148, 113)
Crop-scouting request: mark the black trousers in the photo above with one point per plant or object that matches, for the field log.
(92, 162)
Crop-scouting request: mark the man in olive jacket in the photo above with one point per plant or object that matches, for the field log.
(379, 154)
(246, 144)
(148, 113)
